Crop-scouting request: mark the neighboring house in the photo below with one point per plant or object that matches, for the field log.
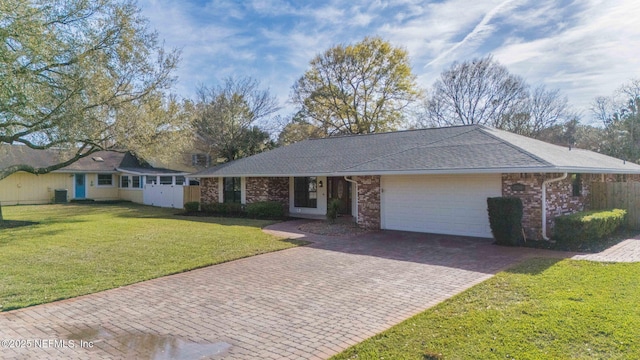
(104, 175)
(432, 180)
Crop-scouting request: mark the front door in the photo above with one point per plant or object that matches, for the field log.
(339, 188)
(81, 186)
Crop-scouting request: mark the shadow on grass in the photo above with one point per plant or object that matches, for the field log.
(586, 246)
(12, 224)
(138, 211)
(533, 266)
(296, 242)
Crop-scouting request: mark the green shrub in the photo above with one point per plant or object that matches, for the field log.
(582, 228)
(233, 209)
(211, 208)
(265, 210)
(332, 210)
(192, 206)
(505, 218)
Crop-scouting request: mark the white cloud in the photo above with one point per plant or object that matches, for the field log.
(481, 31)
(585, 48)
(591, 57)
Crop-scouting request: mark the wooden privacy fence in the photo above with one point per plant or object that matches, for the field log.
(191, 193)
(618, 195)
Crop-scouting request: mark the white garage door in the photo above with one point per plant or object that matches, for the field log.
(441, 204)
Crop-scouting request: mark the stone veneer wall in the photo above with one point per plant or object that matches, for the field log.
(268, 189)
(368, 201)
(560, 199)
(209, 193)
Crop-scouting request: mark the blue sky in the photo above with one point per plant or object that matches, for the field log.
(585, 48)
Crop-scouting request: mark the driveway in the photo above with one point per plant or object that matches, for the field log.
(303, 303)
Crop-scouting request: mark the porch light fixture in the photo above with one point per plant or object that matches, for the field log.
(320, 183)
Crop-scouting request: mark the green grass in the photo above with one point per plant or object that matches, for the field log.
(81, 249)
(541, 309)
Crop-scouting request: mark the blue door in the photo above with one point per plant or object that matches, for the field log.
(81, 186)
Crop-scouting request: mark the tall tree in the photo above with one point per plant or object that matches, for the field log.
(482, 91)
(357, 89)
(620, 117)
(298, 129)
(543, 109)
(228, 117)
(68, 71)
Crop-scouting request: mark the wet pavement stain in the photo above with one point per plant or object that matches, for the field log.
(150, 346)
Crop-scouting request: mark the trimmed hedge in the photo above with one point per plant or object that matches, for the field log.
(505, 219)
(192, 206)
(211, 208)
(223, 208)
(258, 210)
(265, 210)
(581, 228)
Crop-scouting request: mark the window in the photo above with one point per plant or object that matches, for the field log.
(166, 180)
(232, 190)
(124, 181)
(305, 192)
(200, 160)
(130, 181)
(136, 182)
(194, 182)
(180, 180)
(105, 180)
(576, 185)
(152, 180)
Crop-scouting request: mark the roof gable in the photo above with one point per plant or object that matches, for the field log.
(101, 161)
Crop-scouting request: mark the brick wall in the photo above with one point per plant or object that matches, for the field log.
(209, 193)
(368, 201)
(560, 199)
(268, 189)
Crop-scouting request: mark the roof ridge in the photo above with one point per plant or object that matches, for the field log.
(484, 129)
(471, 128)
(390, 132)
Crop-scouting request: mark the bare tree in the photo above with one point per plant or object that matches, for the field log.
(620, 116)
(228, 118)
(480, 91)
(543, 109)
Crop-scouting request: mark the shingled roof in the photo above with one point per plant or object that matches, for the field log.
(99, 162)
(451, 150)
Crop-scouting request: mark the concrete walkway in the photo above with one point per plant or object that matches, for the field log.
(308, 302)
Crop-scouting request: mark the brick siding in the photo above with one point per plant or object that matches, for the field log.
(209, 192)
(368, 201)
(560, 199)
(268, 189)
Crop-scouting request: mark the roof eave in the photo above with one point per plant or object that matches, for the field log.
(134, 172)
(502, 170)
(85, 171)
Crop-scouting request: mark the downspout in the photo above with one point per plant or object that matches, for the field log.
(355, 192)
(544, 203)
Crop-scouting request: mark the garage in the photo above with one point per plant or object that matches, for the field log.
(440, 204)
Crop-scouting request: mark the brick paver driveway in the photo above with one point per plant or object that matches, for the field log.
(306, 302)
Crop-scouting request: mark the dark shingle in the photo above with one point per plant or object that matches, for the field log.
(472, 148)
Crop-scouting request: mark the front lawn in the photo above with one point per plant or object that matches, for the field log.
(81, 249)
(538, 310)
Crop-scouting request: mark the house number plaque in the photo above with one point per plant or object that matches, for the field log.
(517, 187)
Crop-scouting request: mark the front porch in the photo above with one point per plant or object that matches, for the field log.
(302, 197)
